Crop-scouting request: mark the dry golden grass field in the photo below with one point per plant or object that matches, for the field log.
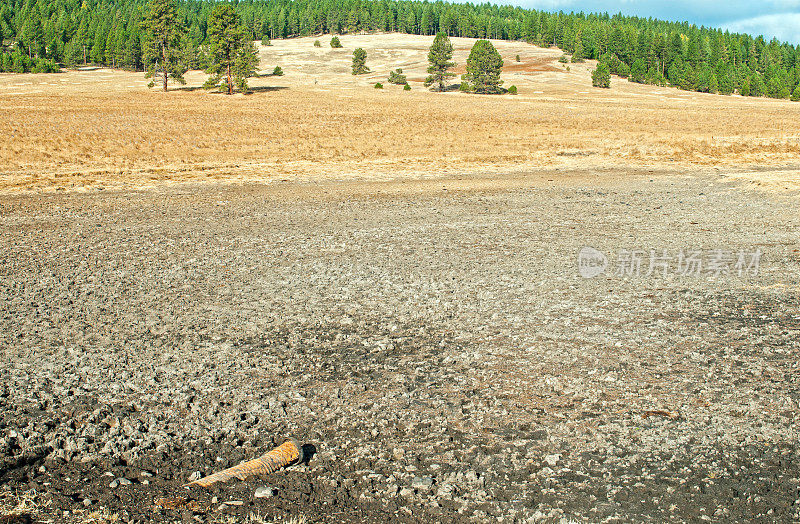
(104, 128)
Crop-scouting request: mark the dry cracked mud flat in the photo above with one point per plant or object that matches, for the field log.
(430, 342)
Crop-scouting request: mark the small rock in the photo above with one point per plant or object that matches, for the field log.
(422, 482)
(552, 460)
(86, 459)
(195, 476)
(263, 492)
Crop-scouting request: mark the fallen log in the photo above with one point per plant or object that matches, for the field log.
(288, 453)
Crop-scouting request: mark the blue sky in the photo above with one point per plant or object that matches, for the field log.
(778, 18)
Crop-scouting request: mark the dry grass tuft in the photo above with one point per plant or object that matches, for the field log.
(99, 516)
(25, 504)
(255, 518)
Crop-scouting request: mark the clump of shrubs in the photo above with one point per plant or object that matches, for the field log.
(265, 41)
(277, 71)
(397, 77)
(408, 88)
(512, 90)
(563, 59)
(518, 59)
(335, 43)
(317, 43)
(378, 85)
(465, 87)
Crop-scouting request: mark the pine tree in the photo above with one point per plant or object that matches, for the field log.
(133, 53)
(776, 88)
(713, 84)
(578, 53)
(440, 57)
(335, 43)
(757, 87)
(601, 77)
(98, 52)
(796, 95)
(232, 55)
(162, 46)
(675, 73)
(360, 62)
(704, 80)
(638, 71)
(245, 64)
(676, 46)
(82, 38)
(33, 36)
(484, 66)
(744, 90)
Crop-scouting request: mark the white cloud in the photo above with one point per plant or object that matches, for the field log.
(784, 27)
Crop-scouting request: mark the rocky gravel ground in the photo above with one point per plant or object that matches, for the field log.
(433, 347)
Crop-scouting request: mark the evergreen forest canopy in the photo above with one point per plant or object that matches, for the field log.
(39, 35)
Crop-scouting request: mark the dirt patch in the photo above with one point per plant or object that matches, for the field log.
(538, 65)
(451, 366)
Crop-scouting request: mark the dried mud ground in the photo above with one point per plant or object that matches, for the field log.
(430, 342)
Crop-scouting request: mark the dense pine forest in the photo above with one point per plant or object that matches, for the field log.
(42, 35)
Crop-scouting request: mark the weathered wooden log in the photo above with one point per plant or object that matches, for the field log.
(288, 453)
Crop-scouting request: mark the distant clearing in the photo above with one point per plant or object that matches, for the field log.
(104, 128)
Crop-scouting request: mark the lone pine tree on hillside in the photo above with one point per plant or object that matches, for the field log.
(484, 66)
(162, 48)
(360, 62)
(439, 58)
(232, 53)
(601, 77)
